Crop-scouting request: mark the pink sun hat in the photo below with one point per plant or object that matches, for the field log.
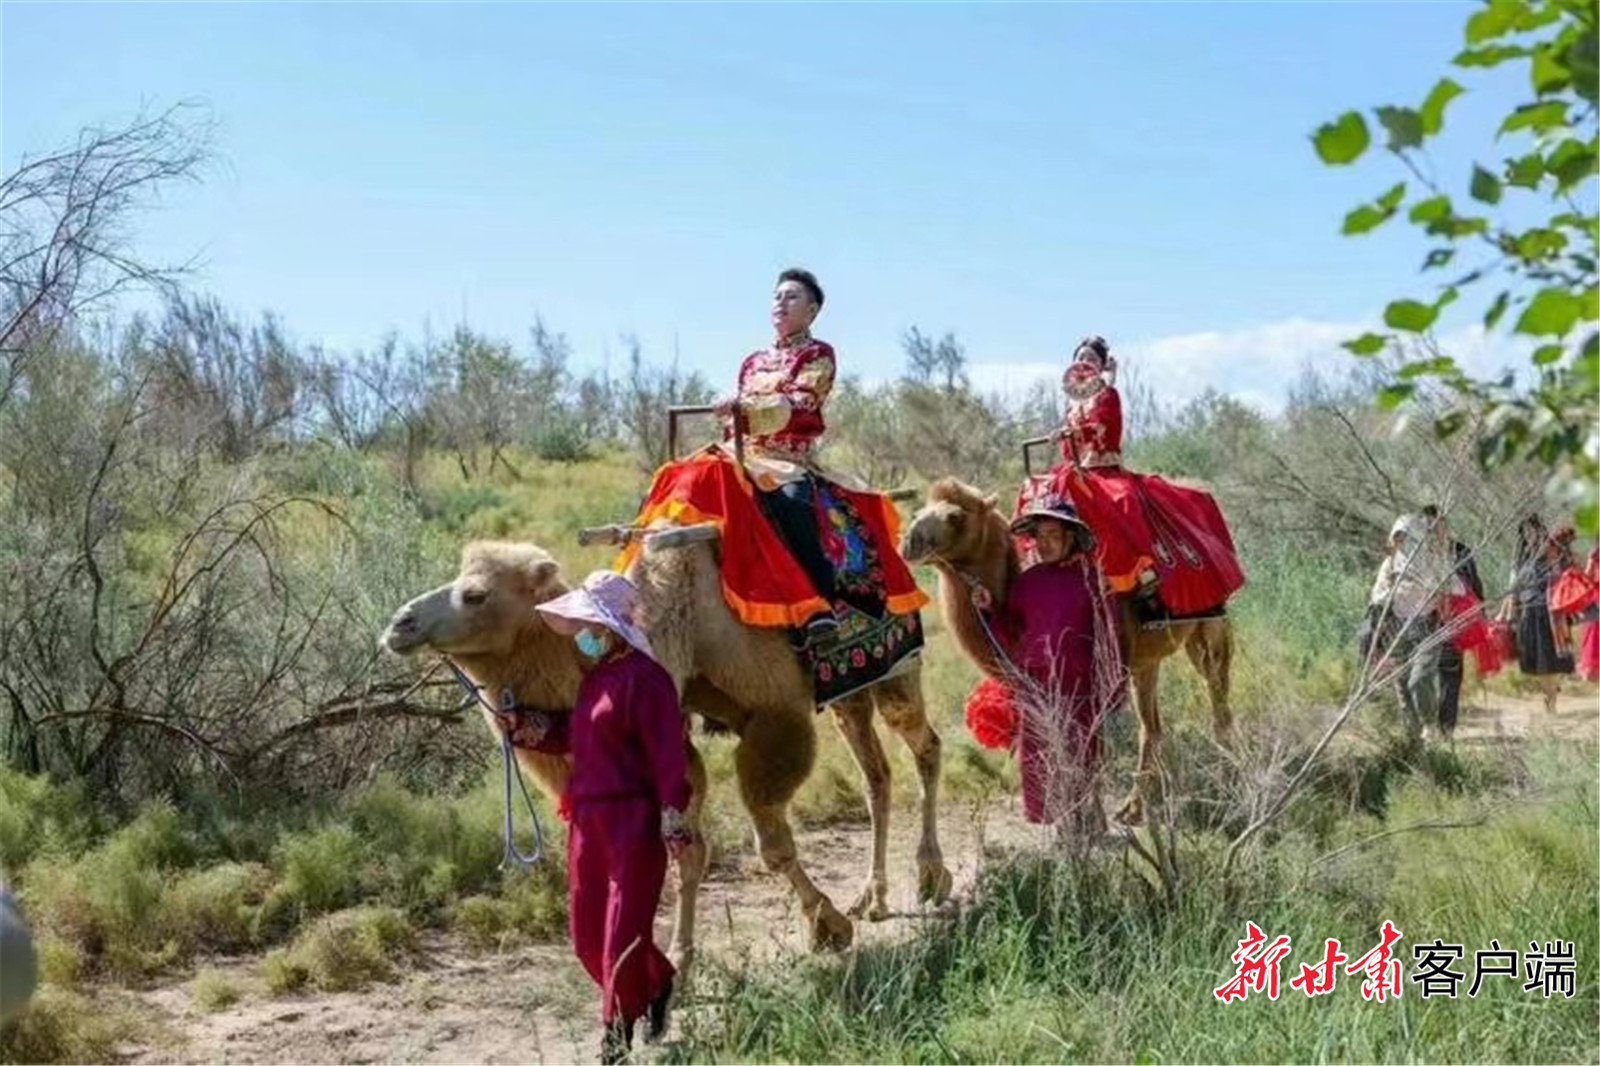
(605, 598)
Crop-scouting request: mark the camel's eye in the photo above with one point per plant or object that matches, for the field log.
(958, 519)
(474, 597)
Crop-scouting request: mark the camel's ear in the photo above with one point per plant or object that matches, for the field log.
(539, 574)
(990, 501)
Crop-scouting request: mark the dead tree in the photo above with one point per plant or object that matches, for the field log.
(64, 226)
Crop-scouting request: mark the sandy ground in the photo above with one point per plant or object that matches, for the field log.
(536, 1005)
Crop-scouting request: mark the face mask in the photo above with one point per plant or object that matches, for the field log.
(590, 643)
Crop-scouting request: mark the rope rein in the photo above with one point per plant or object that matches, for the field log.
(511, 768)
(973, 585)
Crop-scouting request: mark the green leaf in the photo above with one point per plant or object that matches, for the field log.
(1496, 19)
(1551, 313)
(1362, 219)
(1586, 518)
(1587, 366)
(1438, 257)
(1370, 216)
(1392, 396)
(1571, 162)
(1496, 310)
(1548, 72)
(1403, 125)
(1366, 344)
(1430, 210)
(1342, 140)
(1428, 368)
(1539, 243)
(1457, 226)
(1546, 354)
(1432, 109)
(1485, 186)
(1537, 117)
(1526, 172)
(1490, 56)
(1447, 425)
(1583, 61)
(1412, 316)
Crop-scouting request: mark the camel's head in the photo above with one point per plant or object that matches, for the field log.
(484, 610)
(949, 526)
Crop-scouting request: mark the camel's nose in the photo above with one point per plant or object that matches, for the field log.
(913, 546)
(403, 633)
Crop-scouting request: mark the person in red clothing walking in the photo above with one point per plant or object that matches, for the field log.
(627, 797)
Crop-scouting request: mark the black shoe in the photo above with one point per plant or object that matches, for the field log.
(821, 628)
(616, 1043)
(660, 1010)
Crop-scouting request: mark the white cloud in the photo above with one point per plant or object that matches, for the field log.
(1012, 379)
(1257, 365)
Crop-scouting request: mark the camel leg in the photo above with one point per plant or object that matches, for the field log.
(776, 751)
(853, 716)
(1145, 678)
(692, 863)
(1210, 649)
(900, 702)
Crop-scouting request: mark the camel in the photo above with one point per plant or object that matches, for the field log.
(744, 678)
(964, 536)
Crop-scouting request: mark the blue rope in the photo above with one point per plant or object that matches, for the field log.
(511, 768)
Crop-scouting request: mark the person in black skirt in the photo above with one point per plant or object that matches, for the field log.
(1450, 657)
(1544, 648)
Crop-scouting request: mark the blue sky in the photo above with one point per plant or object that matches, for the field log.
(1020, 174)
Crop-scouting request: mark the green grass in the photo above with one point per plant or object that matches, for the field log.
(215, 991)
(61, 1025)
(162, 891)
(1062, 962)
(342, 952)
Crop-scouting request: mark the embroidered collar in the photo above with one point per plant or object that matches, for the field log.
(793, 340)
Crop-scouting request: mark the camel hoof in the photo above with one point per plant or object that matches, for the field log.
(830, 930)
(1132, 810)
(934, 883)
(872, 904)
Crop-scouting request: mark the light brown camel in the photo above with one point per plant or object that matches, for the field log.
(747, 679)
(963, 535)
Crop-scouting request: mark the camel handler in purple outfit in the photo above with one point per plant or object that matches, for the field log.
(1057, 629)
(626, 801)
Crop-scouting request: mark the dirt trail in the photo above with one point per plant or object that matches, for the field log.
(536, 1005)
(1489, 716)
